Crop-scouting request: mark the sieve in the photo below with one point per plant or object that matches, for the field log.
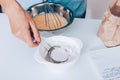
(57, 53)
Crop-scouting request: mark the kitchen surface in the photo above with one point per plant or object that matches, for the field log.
(93, 60)
(17, 61)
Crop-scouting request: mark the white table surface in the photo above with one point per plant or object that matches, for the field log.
(17, 62)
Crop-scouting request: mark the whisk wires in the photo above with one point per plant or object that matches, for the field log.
(52, 18)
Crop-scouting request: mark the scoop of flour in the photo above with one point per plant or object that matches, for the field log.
(60, 54)
(65, 50)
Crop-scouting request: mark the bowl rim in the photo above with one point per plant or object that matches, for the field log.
(78, 42)
(71, 12)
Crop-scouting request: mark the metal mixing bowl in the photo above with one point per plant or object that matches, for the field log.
(65, 12)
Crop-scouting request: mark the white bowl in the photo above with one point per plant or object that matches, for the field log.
(74, 44)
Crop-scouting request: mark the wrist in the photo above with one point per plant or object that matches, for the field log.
(7, 4)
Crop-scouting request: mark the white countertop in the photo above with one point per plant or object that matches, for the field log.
(17, 62)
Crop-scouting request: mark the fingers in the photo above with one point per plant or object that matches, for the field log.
(29, 39)
(33, 40)
(25, 36)
(34, 30)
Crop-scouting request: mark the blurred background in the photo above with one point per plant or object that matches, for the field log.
(96, 8)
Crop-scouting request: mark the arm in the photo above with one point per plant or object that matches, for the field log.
(20, 22)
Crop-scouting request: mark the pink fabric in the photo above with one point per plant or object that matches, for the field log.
(109, 31)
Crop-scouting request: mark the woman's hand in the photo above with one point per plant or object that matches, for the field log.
(21, 23)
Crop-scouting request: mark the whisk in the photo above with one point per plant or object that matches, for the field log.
(50, 16)
(52, 19)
